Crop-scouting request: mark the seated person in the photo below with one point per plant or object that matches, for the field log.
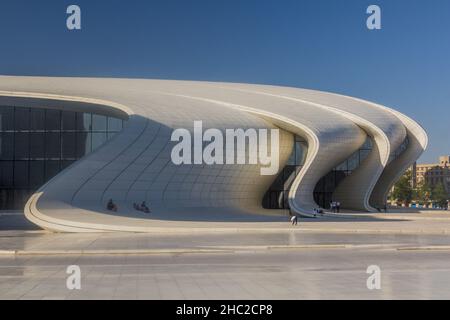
(111, 206)
(144, 207)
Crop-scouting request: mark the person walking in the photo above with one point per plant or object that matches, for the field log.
(338, 206)
(294, 220)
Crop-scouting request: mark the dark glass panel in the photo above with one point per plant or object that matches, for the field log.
(342, 166)
(329, 182)
(114, 124)
(291, 160)
(69, 145)
(98, 122)
(111, 135)
(21, 174)
(20, 177)
(363, 154)
(22, 119)
(37, 145)
(21, 145)
(37, 173)
(6, 173)
(6, 118)
(98, 138)
(4, 200)
(7, 146)
(340, 175)
(52, 145)
(84, 121)
(20, 197)
(52, 119)
(52, 167)
(301, 150)
(83, 143)
(320, 186)
(37, 121)
(68, 120)
(367, 144)
(353, 161)
(319, 198)
(66, 163)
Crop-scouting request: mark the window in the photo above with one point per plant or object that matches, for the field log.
(98, 122)
(53, 145)
(69, 145)
(37, 173)
(66, 163)
(6, 118)
(111, 135)
(98, 138)
(37, 143)
(52, 120)
(22, 119)
(20, 197)
(68, 120)
(6, 173)
(363, 154)
(6, 199)
(83, 144)
(37, 119)
(84, 122)
(52, 167)
(21, 145)
(114, 124)
(21, 174)
(353, 161)
(301, 150)
(7, 146)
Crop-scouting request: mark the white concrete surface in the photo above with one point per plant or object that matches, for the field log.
(135, 165)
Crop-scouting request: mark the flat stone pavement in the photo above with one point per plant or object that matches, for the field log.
(291, 274)
(318, 259)
(18, 236)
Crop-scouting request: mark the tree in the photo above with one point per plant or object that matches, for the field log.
(424, 193)
(403, 191)
(439, 195)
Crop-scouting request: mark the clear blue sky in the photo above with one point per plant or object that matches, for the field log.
(318, 44)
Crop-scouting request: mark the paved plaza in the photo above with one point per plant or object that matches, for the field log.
(324, 259)
(290, 274)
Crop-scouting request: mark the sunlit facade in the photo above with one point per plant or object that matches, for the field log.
(77, 143)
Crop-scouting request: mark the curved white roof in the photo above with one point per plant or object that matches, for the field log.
(136, 166)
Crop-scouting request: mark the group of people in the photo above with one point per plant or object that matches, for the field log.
(335, 206)
(317, 211)
(142, 207)
(111, 206)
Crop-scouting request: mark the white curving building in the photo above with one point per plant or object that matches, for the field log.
(67, 134)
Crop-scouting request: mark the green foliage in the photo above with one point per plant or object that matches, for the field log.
(439, 195)
(403, 191)
(423, 193)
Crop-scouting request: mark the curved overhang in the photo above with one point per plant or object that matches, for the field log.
(134, 165)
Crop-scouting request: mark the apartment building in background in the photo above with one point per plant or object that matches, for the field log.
(433, 174)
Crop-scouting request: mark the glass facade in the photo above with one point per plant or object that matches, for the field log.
(324, 189)
(37, 143)
(277, 195)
